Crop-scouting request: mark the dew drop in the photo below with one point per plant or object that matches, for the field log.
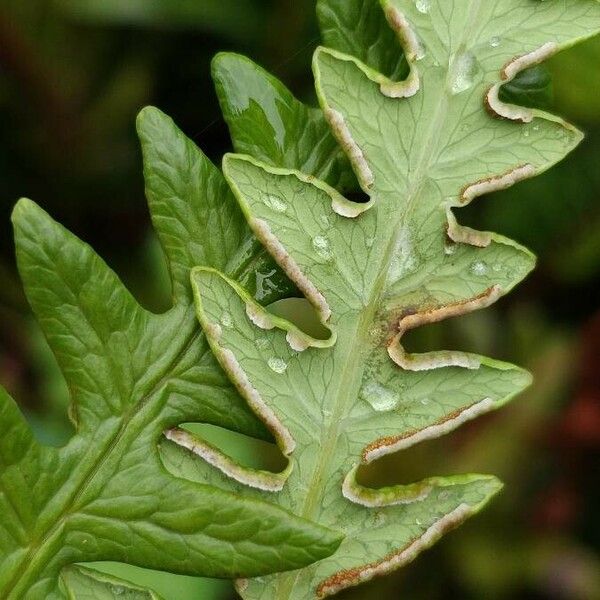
(275, 203)
(423, 6)
(425, 401)
(478, 268)
(380, 398)
(261, 343)
(226, 320)
(450, 248)
(465, 71)
(536, 127)
(418, 522)
(277, 364)
(495, 42)
(321, 245)
(444, 495)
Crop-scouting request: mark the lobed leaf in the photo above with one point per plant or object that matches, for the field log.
(132, 374)
(420, 147)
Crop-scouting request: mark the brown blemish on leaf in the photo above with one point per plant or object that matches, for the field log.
(350, 577)
(504, 71)
(376, 449)
(489, 109)
(414, 318)
(434, 360)
(496, 182)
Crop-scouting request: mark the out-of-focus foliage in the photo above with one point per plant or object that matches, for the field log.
(236, 18)
(69, 90)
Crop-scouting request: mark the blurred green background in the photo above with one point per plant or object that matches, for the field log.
(73, 75)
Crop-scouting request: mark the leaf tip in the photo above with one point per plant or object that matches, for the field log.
(22, 208)
(148, 118)
(221, 59)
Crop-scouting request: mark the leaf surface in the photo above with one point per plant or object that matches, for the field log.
(132, 374)
(421, 148)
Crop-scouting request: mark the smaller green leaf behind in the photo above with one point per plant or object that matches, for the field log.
(106, 495)
(81, 583)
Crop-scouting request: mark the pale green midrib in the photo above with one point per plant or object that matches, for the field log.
(286, 582)
(30, 560)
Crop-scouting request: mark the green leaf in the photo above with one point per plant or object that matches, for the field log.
(359, 28)
(266, 121)
(421, 148)
(132, 374)
(531, 88)
(87, 584)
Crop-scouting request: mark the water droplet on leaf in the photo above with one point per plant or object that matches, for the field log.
(277, 364)
(478, 268)
(465, 71)
(321, 245)
(495, 42)
(380, 398)
(423, 6)
(275, 203)
(404, 259)
(261, 343)
(226, 320)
